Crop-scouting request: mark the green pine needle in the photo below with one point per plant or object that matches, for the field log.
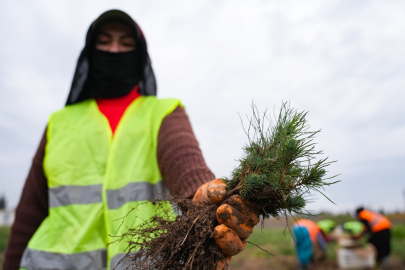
(280, 165)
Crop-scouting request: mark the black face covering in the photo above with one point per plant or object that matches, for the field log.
(103, 74)
(113, 74)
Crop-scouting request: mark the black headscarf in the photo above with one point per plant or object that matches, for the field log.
(358, 210)
(147, 83)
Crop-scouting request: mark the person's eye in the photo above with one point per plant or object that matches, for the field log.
(128, 42)
(103, 39)
(103, 42)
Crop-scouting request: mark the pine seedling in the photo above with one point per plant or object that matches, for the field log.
(279, 166)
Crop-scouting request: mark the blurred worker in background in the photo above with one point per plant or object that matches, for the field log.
(354, 228)
(112, 146)
(378, 227)
(310, 242)
(327, 226)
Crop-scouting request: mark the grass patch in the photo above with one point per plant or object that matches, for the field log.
(398, 241)
(398, 232)
(273, 240)
(4, 234)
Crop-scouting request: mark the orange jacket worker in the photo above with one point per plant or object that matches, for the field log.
(378, 227)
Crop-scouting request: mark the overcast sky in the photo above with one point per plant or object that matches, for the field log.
(343, 61)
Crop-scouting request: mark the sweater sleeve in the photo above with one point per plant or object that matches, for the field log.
(179, 156)
(31, 210)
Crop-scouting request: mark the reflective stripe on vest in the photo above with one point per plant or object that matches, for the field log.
(376, 221)
(66, 195)
(40, 260)
(98, 184)
(120, 262)
(142, 191)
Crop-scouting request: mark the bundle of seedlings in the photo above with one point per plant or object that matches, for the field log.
(277, 172)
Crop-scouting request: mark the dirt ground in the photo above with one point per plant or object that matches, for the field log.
(289, 263)
(283, 263)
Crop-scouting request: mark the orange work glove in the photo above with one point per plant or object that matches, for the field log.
(236, 219)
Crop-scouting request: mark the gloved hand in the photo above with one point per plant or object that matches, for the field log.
(236, 219)
(211, 192)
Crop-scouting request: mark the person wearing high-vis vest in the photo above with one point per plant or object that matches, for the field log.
(354, 228)
(310, 242)
(327, 226)
(378, 227)
(112, 146)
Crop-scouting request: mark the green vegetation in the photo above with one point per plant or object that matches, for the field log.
(2, 203)
(398, 241)
(273, 240)
(278, 241)
(4, 233)
(280, 165)
(398, 232)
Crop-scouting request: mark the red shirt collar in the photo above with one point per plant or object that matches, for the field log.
(114, 108)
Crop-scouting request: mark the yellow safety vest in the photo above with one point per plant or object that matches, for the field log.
(94, 181)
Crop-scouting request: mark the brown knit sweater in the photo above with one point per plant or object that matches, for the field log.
(180, 161)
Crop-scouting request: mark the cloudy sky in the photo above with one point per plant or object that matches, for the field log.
(343, 61)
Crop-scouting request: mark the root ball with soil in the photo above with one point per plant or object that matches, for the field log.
(277, 171)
